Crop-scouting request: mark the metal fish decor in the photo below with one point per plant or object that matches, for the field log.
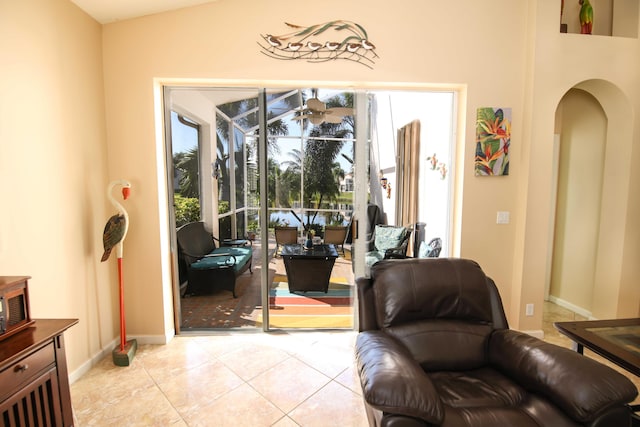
(322, 42)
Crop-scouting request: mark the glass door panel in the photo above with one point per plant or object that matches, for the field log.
(310, 167)
(222, 193)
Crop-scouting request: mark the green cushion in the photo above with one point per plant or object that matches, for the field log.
(372, 257)
(425, 250)
(389, 237)
(241, 254)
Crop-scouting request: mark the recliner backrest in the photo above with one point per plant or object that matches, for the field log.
(441, 309)
(418, 289)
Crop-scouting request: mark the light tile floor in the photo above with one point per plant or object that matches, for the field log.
(241, 378)
(228, 379)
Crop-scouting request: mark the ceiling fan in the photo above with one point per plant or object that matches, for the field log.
(317, 112)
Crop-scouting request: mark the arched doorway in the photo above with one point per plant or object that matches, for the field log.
(594, 134)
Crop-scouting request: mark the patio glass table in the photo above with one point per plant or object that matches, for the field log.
(309, 269)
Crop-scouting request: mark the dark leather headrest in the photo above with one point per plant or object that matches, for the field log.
(431, 288)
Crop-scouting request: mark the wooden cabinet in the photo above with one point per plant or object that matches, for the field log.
(34, 381)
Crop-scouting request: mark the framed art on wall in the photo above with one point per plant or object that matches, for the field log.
(493, 138)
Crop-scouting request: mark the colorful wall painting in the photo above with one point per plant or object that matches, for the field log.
(493, 138)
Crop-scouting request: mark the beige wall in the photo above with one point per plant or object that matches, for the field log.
(499, 52)
(219, 41)
(608, 68)
(522, 61)
(53, 168)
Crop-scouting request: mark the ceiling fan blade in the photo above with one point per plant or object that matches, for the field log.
(341, 111)
(316, 104)
(333, 118)
(317, 119)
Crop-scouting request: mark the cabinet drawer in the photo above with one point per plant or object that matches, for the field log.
(25, 369)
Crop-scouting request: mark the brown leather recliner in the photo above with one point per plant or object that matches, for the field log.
(435, 349)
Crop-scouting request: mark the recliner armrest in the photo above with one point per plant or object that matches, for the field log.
(580, 386)
(392, 381)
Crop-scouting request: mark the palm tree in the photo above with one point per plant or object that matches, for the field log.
(273, 175)
(289, 180)
(187, 163)
(244, 114)
(337, 171)
(321, 154)
(295, 164)
(319, 179)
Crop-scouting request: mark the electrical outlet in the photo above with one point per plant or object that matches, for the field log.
(529, 310)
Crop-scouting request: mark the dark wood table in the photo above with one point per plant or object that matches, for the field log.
(309, 269)
(615, 340)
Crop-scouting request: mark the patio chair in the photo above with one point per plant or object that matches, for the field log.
(389, 242)
(335, 235)
(285, 236)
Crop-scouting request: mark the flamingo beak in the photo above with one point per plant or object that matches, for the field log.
(125, 192)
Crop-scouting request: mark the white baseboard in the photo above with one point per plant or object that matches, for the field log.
(152, 339)
(108, 349)
(86, 366)
(569, 306)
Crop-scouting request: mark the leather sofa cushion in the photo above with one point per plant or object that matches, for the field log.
(445, 344)
(475, 388)
(497, 417)
(486, 398)
(429, 289)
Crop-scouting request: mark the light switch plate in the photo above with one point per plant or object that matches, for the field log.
(529, 310)
(503, 217)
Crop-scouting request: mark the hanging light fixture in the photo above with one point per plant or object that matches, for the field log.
(385, 184)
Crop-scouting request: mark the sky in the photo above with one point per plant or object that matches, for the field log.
(183, 138)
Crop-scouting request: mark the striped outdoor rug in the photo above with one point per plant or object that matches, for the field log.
(310, 309)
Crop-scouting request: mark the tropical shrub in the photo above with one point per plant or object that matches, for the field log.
(187, 209)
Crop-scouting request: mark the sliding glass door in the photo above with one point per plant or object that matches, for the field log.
(310, 172)
(326, 156)
(216, 148)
